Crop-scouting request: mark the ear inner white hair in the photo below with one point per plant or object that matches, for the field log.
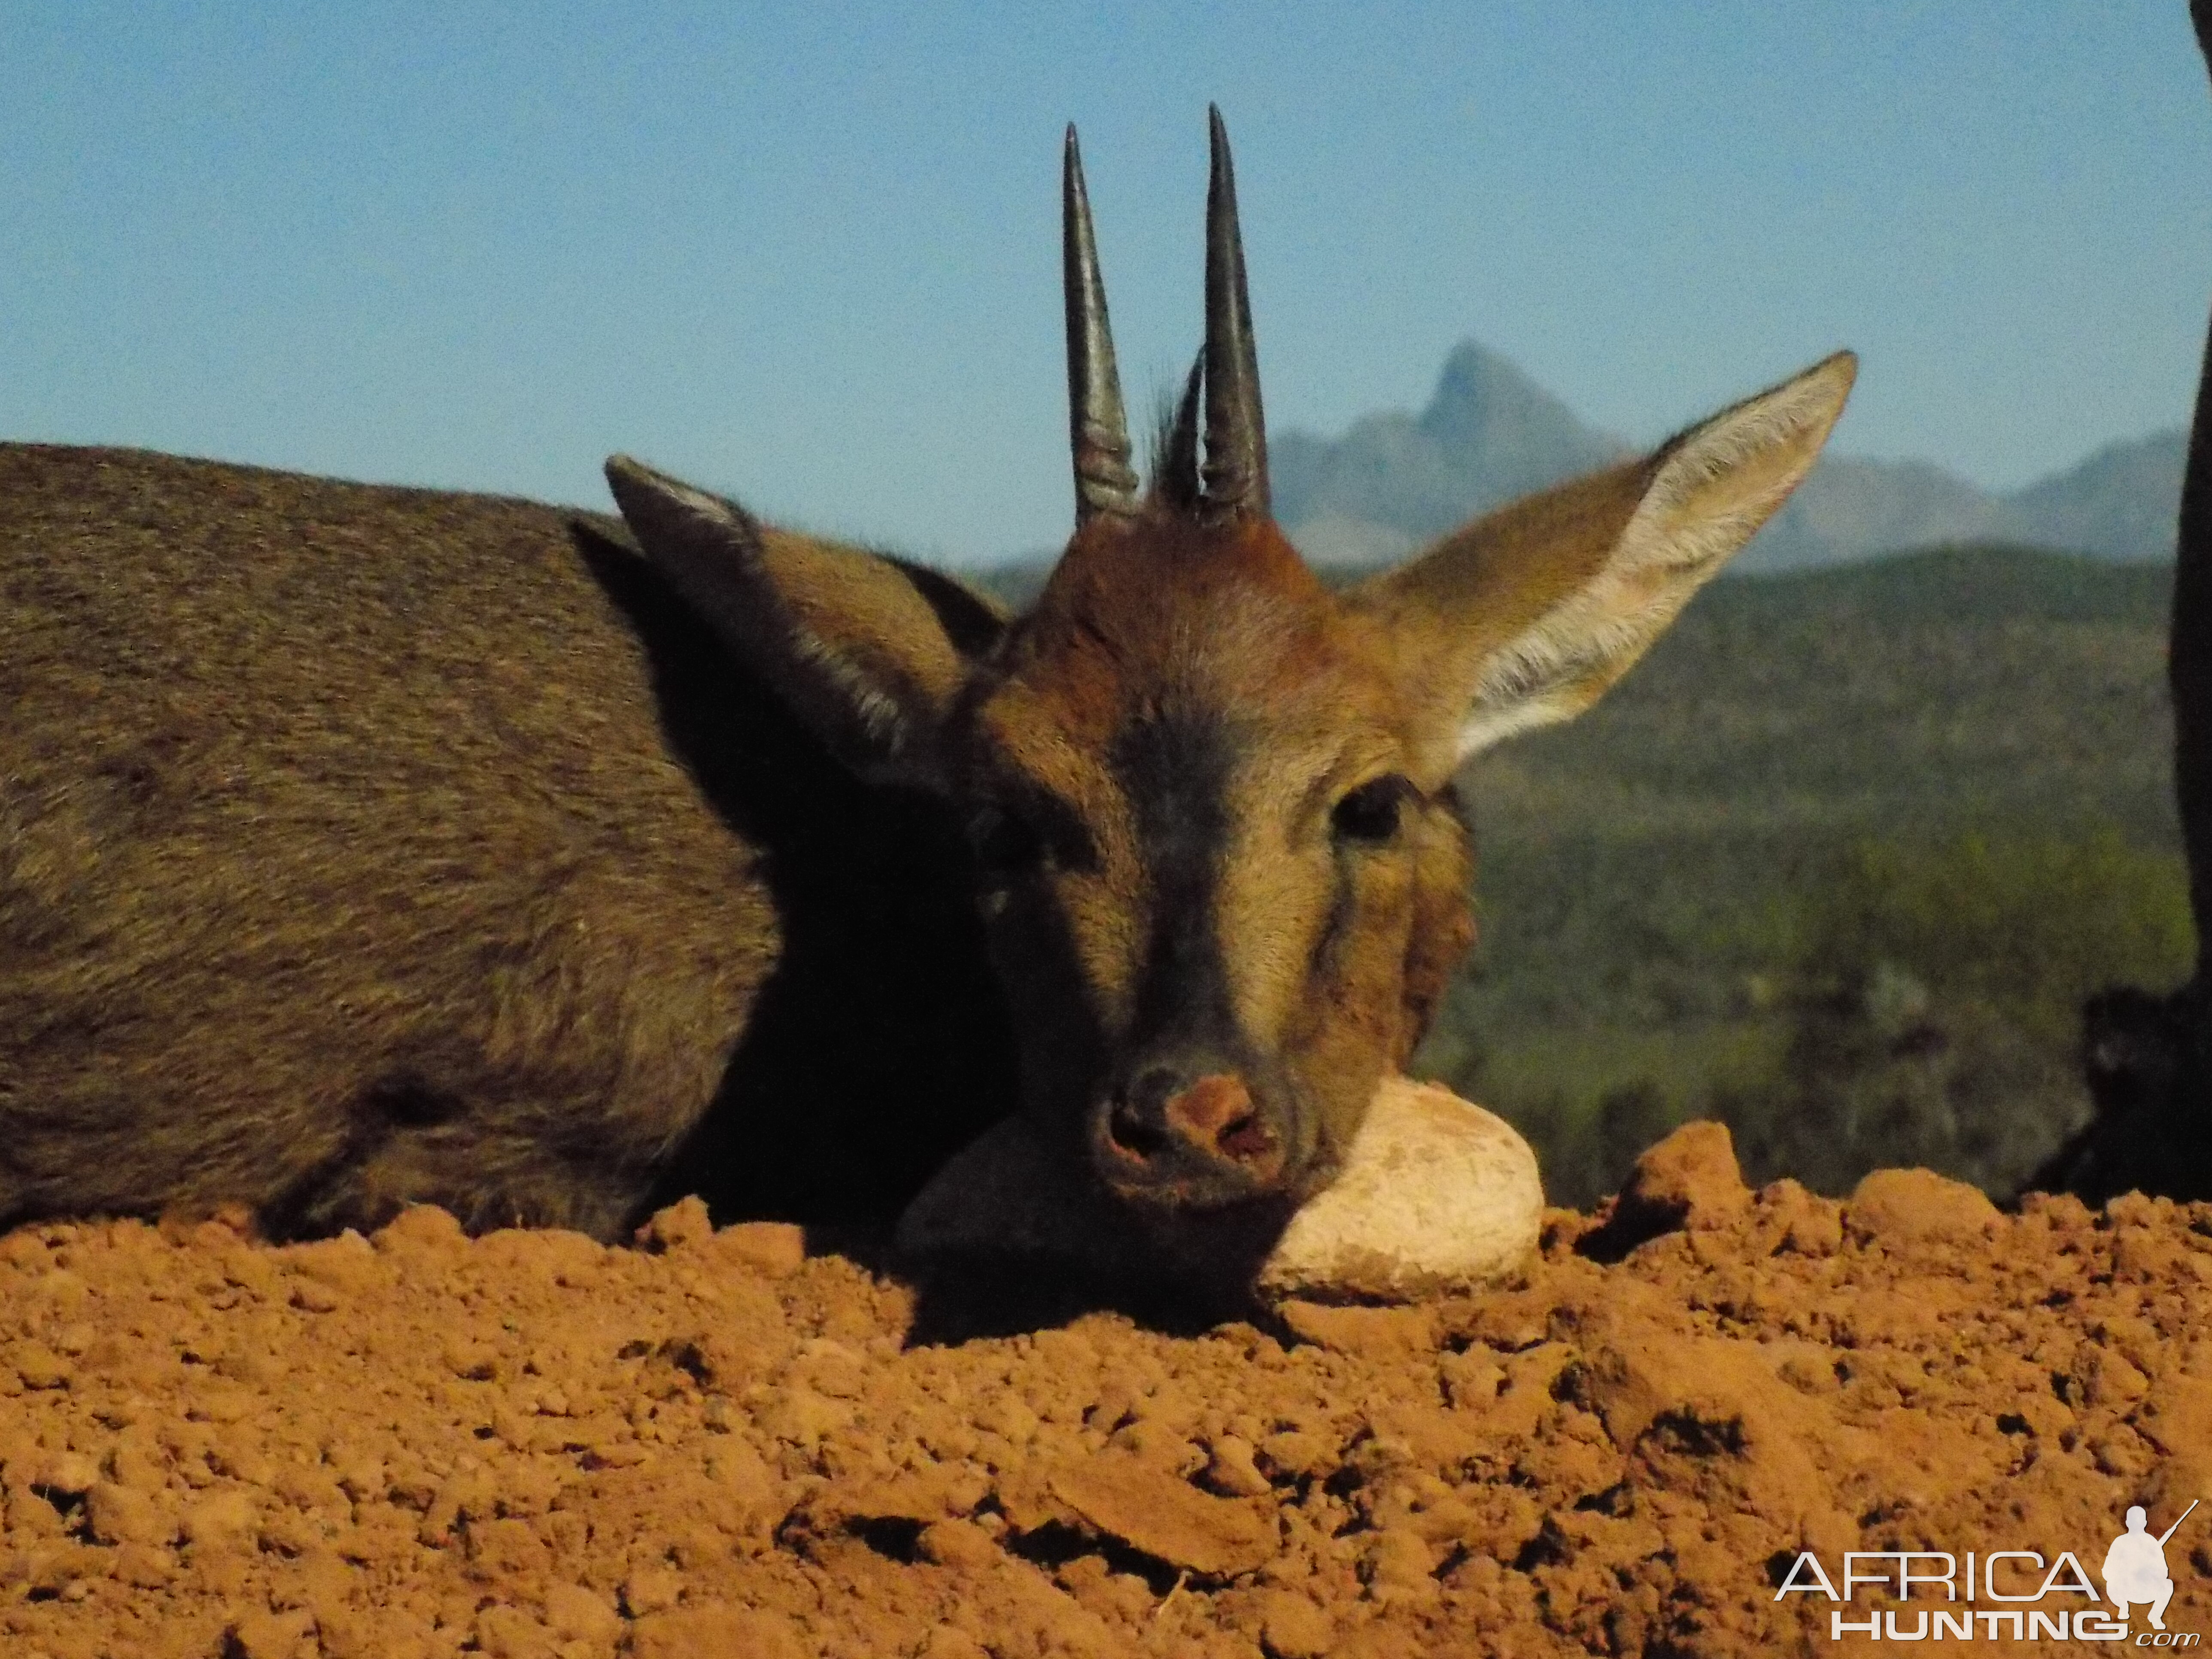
(1711, 490)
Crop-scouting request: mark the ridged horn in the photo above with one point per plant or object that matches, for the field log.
(1235, 428)
(1098, 428)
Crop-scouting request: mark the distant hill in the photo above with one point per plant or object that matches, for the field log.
(1490, 433)
(1645, 874)
(2119, 504)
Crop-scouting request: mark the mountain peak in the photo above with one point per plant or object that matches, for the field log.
(1490, 433)
(1479, 389)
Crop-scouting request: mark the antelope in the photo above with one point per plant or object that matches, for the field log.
(362, 846)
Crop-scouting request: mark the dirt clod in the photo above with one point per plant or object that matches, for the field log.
(1912, 1207)
(528, 1444)
(1688, 1180)
(1292, 1627)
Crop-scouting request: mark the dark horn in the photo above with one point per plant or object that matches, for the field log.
(1236, 429)
(1175, 472)
(1098, 428)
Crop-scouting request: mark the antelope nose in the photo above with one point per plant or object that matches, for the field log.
(1213, 1117)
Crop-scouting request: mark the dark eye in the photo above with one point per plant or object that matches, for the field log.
(1005, 843)
(1370, 813)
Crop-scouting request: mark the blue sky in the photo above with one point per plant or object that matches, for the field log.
(808, 255)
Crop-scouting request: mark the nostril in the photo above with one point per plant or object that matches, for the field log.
(1130, 1133)
(1246, 1139)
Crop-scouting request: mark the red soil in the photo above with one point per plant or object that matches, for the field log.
(528, 1444)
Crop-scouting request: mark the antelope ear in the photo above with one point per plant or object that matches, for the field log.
(869, 652)
(1527, 614)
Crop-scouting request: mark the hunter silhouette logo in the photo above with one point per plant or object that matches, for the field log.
(2009, 1594)
(2135, 1567)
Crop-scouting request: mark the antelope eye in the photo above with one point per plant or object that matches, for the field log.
(1370, 813)
(1005, 843)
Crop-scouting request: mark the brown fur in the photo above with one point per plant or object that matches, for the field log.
(361, 846)
(351, 854)
(1228, 852)
(1165, 615)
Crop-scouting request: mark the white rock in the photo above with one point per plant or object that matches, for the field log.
(1437, 1196)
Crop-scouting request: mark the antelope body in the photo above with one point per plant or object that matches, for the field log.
(361, 846)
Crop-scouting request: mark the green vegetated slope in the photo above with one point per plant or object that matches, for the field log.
(1836, 862)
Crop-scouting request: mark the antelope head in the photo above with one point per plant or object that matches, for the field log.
(1216, 841)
